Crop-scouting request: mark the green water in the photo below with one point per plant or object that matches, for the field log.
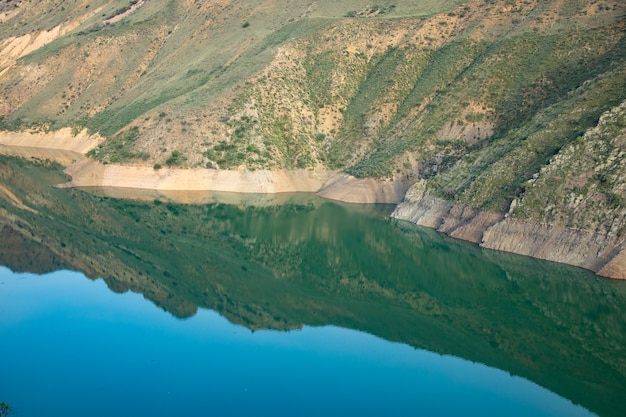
(309, 262)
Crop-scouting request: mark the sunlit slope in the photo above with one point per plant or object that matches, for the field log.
(178, 70)
(474, 97)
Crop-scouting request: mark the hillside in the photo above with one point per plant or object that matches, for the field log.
(480, 105)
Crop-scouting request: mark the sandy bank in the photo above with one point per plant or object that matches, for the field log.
(90, 173)
(68, 149)
(59, 146)
(349, 189)
(62, 139)
(340, 187)
(61, 156)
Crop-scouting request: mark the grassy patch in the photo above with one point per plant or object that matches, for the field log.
(120, 148)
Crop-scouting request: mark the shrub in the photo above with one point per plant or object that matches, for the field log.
(5, 409)
(176, 158)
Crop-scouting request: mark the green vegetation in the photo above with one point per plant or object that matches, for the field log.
(372, 11)
(120, 148)
(475, 97)
(175, 159)
(240, 148)
(577, 191)
(5, 409)
(10, 124)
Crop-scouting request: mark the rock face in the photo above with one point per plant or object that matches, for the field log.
(455, 220)
(603, 253)
(590, 250)
(572, 211)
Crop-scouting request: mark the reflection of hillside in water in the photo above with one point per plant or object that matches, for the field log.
(60, 156)
(314, 262)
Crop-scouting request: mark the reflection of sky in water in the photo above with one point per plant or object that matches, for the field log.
(70, 347)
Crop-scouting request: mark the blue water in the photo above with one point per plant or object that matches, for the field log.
(71, 347)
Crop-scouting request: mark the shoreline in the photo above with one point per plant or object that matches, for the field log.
(88, 172)
(69, 149)
(604, 254)
(489, 230)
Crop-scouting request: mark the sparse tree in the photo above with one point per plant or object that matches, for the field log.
(5, 409)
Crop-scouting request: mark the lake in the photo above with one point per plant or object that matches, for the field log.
(284, 306)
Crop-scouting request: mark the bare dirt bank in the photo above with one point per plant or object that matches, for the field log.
(59, 140)
(68, 149)
(62, 139)
(61, 156)
(90, 173)
(61, 146)
(602, 253)
(349, 189)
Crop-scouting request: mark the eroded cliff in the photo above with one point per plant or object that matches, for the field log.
(571, 211)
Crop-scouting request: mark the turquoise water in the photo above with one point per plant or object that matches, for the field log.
(73, 348)
(291, 306)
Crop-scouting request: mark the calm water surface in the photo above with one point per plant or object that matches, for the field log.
(295, 307)
(71, 347)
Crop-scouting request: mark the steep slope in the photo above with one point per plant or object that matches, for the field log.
(381, 91)
(180, 72)
(579, 201)
(571, 210)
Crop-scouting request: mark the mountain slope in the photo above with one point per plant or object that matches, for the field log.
(371, 89)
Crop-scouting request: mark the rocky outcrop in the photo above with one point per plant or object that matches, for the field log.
(573, 210)
(616, 266)
(600, 252)
(584, 248)
(453, 219)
